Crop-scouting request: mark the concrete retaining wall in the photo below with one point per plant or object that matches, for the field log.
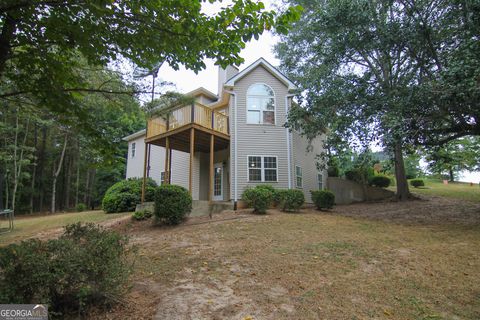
(347, 191)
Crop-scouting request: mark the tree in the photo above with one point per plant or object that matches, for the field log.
(351, 62)
(455, 156)
(42, 43)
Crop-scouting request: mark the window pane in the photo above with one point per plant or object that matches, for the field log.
(299, 182)
(270, 162)
(320, 181)
(260, 90)
(269, 117)
(253, 117)
(268, 104)
(254, 162)
(254, 103)
(270, 175)
(255, 175)
(298, 171)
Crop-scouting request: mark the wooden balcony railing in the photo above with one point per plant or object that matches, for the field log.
(195, 113)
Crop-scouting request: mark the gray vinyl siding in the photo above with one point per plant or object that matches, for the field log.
(306, 159)
(264, 140)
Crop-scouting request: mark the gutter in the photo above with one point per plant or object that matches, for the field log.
(289, 149)
(235, 184)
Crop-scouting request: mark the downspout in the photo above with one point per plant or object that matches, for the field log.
(235, 185)
(289, 149)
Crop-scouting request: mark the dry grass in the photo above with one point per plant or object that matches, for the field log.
(311, 266)
(456, 190)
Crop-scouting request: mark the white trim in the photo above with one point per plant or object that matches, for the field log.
(297, 176)
(135, 135)
(261, 110)
(235, 150)
(320, 180)
(262, 168)
(231, 82)
(289, 148)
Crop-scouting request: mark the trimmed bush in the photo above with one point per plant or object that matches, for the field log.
(323, 199)
(258, 198)
(172, 204)
(88, 265)
(417, 183)
(81, 207)
(278, 196)
(292, 200)
(141, 215)
(124, 196)
(380, 181)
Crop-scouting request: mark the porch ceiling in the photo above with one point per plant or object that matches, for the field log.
(180, 139)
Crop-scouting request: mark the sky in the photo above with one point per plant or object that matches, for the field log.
(186, 80)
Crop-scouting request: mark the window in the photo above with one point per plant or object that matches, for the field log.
(320, 181)
(162, 177)
(134, 149)
(299, 176)
(262, 168)
(260, 104)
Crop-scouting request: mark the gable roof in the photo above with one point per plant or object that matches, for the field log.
(201, 91)
(135, 135)
(274, 71)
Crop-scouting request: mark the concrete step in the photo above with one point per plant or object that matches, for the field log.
(199, 207)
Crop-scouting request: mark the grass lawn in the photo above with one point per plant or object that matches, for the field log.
(25, 227)
(310, 265)
(457, 190)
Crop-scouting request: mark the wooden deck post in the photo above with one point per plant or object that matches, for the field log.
(144, 182)
(192, 151)
(212, 146)
(166, 177)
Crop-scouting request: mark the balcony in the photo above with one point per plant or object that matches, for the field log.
(176, 125)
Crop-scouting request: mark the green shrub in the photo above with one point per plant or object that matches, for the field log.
(359, 175)
(141, 215)
(278, 196)
(323, 199)
(172, 204)
(124, 196)
(417, 183)
(380, 181)
(292, 200)
(81, 207)
(87, 265)
(258, 198)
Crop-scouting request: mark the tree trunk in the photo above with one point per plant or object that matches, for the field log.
(1, 188)
(87, 183)
(450, 173)
(17, 167)
(40, 171)
(403, 193)
(67, 183)
(77, 183)
(56, 173)
(90, 189)
(6, 37)
(34, 169)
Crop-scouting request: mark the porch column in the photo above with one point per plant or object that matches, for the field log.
(192, 150)
(144, 182)
(210, 193)
(166, 177)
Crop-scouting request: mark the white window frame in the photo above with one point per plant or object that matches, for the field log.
(261, 110)
(133, 150)
(320, 181)
(297, 176)
(262, 168)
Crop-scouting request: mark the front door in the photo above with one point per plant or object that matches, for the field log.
(218, 182)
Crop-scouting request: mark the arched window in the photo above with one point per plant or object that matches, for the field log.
(260, 104)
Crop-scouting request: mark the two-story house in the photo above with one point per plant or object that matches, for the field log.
(220, 145)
